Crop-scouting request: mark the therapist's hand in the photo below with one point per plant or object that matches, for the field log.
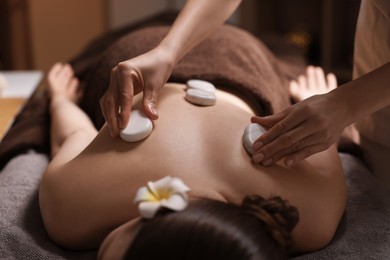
(148, 73)
(308, 127)
(301, 130)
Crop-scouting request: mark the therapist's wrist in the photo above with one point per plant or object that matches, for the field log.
(169, 55)
(344, 105)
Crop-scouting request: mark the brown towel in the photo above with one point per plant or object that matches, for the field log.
(230, 57)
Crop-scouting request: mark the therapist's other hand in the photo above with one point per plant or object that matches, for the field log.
(148, 73)
(305, 128)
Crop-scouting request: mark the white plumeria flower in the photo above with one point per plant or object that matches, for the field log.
(167, 192)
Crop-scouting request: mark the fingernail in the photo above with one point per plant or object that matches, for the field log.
(154, 111)
(289, 162)
(258, 157)
(152, 108)
(257, 145)
(267, 162)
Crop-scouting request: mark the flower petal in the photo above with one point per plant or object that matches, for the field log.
(167, 192)
(148, 209)
(178, 186)
(153, 190)
(142, 194)
(175, 202)
(162, 183)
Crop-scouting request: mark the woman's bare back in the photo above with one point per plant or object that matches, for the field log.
(87, 197)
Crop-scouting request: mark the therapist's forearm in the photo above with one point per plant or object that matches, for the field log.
(366, 94)
(196, 21)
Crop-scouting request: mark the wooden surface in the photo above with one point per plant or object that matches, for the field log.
(9, 108)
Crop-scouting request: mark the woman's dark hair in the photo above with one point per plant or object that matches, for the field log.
(207, 229)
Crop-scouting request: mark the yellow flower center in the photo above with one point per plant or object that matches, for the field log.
(160, 194)
(164, 193)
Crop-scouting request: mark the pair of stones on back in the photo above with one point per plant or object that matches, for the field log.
(198, 92)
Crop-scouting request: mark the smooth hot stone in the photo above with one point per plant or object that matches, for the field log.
(200, 97)
(251, 133)
(201, 85)
(138, 128)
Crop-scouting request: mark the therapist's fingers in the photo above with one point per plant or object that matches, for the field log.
(295, 148)
(271, 120)
(289, 142)
(150, 103)
(128, 79)
(109, 104)
(278, 124)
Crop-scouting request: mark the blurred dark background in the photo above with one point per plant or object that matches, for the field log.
(322, 30)
(35, 34)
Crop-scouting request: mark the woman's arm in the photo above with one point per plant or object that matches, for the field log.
(150, 71)
(71, 130)
(316, 123)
